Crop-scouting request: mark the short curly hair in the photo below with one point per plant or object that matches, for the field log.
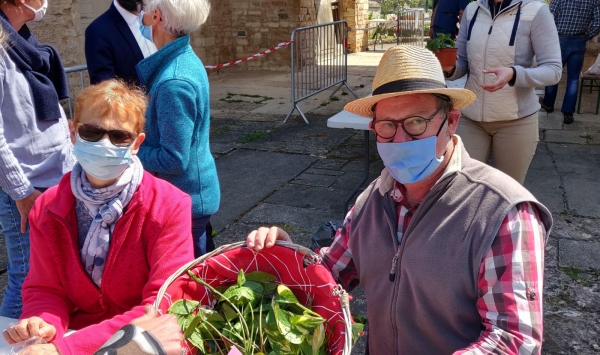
(113, 99)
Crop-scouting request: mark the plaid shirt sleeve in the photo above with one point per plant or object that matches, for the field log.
(554, 8)
(338, 257)
(510, 286)
(595, 25)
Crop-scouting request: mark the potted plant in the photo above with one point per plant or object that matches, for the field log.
(443, 46)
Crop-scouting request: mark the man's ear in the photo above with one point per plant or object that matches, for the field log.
(453, 118)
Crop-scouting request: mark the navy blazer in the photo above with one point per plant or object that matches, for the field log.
(111, 49)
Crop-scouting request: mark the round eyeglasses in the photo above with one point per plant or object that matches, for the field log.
(413, 126)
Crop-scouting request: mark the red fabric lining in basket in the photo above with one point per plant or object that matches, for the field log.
(311, 283)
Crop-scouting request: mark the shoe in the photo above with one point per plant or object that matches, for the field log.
(568, 118)
(548, 109)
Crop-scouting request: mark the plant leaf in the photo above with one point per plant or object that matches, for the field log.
(285, 295)
(290, 333)
(197, 341)
(183, 307)
(279, 345)
(260, 276)
(306, 323)
(241, 278)
(306, 346)
(357, 329)
(256, 287)
(239, 295)
(229, 313)
(318, 339)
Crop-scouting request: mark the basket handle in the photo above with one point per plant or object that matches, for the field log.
(338, 291)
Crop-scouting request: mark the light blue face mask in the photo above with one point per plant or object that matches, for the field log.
(102, 159)
(145, 30)
(412, 161)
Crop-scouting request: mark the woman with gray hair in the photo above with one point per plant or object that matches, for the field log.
(178, 116)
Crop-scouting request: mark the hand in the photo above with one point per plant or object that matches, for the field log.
(40, 349)
(504, 76)
(449, 70)
(431, 32)
(164, 328)
(266, 237)
(27, 328)
(24, 206)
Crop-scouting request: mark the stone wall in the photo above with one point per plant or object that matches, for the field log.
(241, 28)
(356, 13)
(235, 28)
(61, 27)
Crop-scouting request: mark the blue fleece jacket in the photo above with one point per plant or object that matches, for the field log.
(178, 122)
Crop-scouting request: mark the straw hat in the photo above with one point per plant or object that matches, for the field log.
(405, 70)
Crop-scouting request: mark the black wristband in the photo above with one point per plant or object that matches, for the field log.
(511, 82)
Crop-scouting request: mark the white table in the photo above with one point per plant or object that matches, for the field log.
(345, 119)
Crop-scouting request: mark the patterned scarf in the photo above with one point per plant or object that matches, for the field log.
(106, 206)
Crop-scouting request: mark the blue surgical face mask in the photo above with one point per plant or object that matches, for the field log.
(412, 161)
(102, 159)
(145, 30)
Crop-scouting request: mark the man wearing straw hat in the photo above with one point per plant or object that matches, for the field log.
(449, 251)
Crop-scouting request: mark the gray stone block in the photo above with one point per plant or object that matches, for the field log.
(315, 180)
(247, 177)
(583, 197)
(310, 197)
(301, 223)
(578, 254)
(556, 136)
(544, 184)
(576, 161)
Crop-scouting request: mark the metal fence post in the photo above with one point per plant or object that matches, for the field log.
(319, 61)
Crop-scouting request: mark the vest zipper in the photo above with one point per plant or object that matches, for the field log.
(393, 223)
(394, 265)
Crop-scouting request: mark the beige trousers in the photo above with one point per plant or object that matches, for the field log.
(512, 143)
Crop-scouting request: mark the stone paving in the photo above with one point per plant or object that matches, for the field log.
(297, 176)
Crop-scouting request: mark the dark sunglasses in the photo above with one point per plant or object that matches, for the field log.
(118, 137)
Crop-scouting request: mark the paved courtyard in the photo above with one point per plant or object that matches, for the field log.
(297, 176)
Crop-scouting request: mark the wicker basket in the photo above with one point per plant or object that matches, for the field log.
(221, 266)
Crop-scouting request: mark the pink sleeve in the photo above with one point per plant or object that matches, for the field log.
(43, 295)
(171, 249)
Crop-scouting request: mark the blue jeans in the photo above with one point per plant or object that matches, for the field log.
(17, 247)
(572, 49)
(202, 236)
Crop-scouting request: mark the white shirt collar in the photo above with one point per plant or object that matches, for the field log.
(129, 18)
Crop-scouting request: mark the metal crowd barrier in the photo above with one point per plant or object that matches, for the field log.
(411, 27)
(319, 59)
(72, 71)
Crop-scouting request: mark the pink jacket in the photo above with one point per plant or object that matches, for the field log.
(150, 242)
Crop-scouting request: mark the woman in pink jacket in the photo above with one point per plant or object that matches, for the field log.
(107, 237)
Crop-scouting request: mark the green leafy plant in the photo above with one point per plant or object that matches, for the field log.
(256, 316)
(441, 41)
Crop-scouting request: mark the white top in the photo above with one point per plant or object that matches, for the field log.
(148, 48)
(346, 119)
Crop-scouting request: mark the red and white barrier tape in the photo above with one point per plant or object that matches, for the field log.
(279, 46)
(362, 29)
